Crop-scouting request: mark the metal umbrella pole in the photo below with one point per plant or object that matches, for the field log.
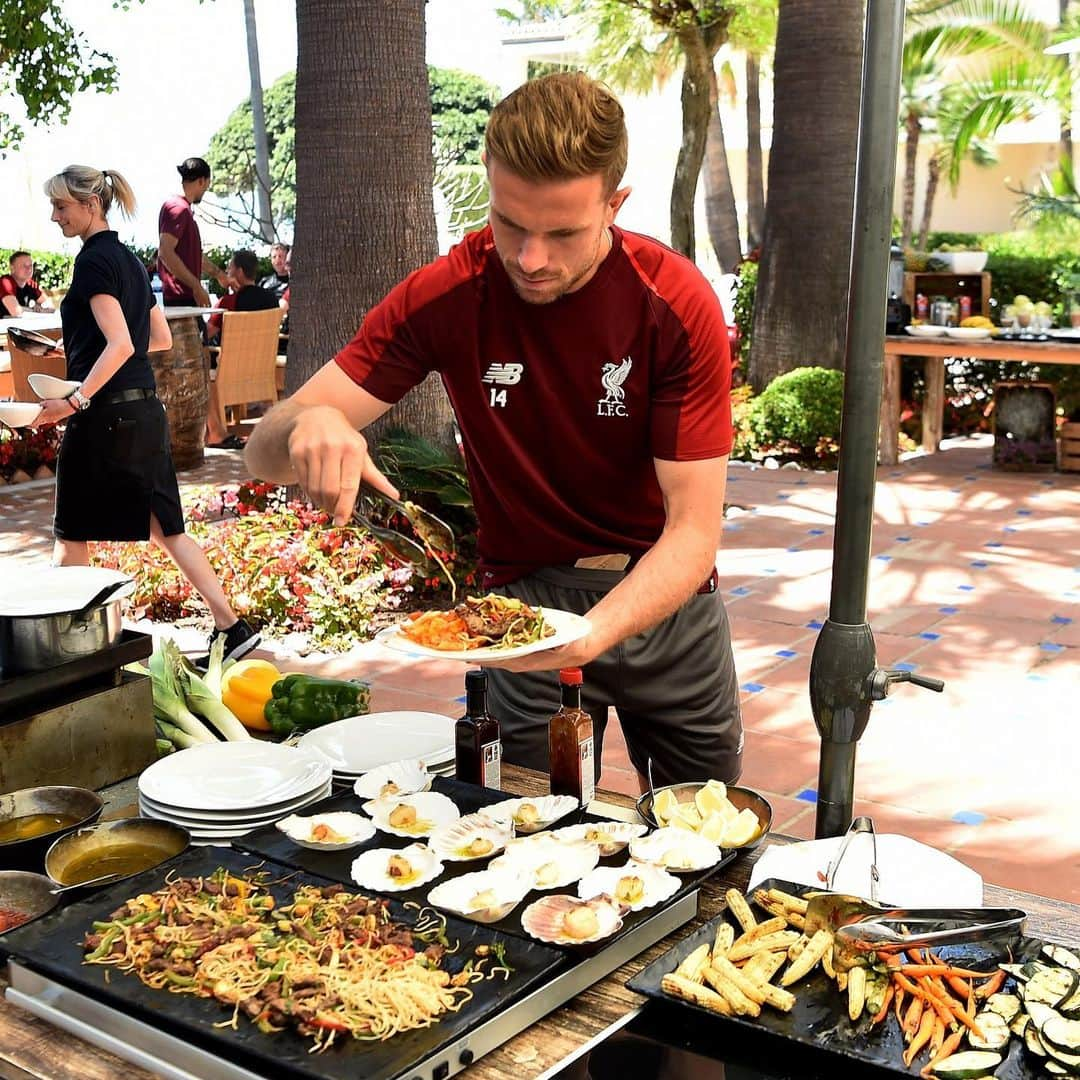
(844, 677)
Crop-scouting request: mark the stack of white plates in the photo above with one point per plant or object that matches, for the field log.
(359, 744)
(218, 791)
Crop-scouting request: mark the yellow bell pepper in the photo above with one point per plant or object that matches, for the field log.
(246, 688)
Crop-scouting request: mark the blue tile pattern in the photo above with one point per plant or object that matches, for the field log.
(752, 687)
(969, 817)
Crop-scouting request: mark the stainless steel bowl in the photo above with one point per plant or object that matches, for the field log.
(169, 839)
(741, 798)
(80, 803)
(28, 894)
(40, 642)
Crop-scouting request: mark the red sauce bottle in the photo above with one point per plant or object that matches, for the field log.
(477, 743)
(570, 743)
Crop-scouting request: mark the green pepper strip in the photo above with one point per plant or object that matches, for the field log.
(107, 942)
(179, 980)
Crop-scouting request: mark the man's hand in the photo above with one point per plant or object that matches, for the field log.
(202, 297)
(53, 410)
(330, 458)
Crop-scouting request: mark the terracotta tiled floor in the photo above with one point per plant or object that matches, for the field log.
(975, 578)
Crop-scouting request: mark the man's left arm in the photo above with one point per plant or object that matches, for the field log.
(671, 572)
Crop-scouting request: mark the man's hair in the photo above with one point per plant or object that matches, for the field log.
(18, 255)
(192, 168)
(560, 127)
(247, 261)
(280, 247)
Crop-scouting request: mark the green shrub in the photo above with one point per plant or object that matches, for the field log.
(745, 292)
(52, 270)
(799, 412)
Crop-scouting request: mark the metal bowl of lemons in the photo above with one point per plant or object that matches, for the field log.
(728, 816)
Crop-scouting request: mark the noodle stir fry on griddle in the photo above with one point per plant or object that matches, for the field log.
(496, 622)
(329, 963)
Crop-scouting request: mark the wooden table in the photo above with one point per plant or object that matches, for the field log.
(936, 350)
(31, 1048)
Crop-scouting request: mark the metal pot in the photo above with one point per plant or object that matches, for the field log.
(83, 805)
(40, 642)
(167, 839)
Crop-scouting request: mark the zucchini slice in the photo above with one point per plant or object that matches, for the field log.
(1071, 1006)
(1032, 1040)
(1057, 1033)
(1031, 968)
(1016, 971)
(1062, 956)
(1007, 1006)
(1055, 1068)
(995, 1032)
(1051, 986)
(967, 1065)
(1019, 1024)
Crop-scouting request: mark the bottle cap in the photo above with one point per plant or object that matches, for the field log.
(475, 679)
(571, 676)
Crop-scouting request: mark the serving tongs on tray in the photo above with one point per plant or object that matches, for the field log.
(434, 534)
(865, 930)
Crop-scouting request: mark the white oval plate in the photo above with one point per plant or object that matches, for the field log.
(925, 330)
(233, 776)
(970, 333)
(19, 414)
(568, 627)
(260, 815)
(49, 386)
(361, 743)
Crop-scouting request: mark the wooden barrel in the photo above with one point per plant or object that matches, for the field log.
(183, 384)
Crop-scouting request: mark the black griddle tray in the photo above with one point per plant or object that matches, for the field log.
(51, 946)
(271, 843)
(819, 1018)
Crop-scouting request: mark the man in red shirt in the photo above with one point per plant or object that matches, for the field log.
(19, 292)
(590, 373)
(244, 294)
(181, 262)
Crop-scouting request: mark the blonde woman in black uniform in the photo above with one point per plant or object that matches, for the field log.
(115, 478)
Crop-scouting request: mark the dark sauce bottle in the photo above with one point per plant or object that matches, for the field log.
(570, 743)
(477, 745)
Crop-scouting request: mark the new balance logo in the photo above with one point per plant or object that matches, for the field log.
(504, 374)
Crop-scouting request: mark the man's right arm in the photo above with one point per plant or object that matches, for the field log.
(11, 305)
(313, 439)
(175, 265)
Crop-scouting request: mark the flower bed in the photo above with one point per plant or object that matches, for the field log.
(29, 455)
(283, 566)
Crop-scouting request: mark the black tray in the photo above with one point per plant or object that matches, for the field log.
(51, 946)
(271, 843)
(820, 1018)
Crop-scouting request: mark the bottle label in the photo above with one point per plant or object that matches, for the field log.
(588, 775)
(491, 756)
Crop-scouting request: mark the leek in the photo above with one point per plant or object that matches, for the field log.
(202, 700)
(169, 704)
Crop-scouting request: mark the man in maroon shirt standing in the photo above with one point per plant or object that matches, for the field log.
(589, 370)
(181, 262)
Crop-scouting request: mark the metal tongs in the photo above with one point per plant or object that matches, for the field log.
(435, 535)
(865, 930)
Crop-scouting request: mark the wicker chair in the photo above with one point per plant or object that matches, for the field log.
(24, 364)
(247, 359)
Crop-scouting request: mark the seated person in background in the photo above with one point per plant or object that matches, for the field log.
(283, 303)
(278, 281)
(245, 295)
(19, 292)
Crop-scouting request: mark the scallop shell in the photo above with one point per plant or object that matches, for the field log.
(546, 808)
(459, 894)
(612, 836)
(352, 828)
(604, 880)
(452, 841)
(676, 849)
(408, 777)
(370, 869)
(550, 863)
(432, 810)
(545, 919)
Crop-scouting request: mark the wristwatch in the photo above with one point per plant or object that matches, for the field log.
(78, 400)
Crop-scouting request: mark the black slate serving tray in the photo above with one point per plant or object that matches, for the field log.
(819, 1018)
(271, 843)
(52, 947)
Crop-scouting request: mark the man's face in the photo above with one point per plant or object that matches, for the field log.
(22, 269)
(202, 185)
(279, 260)
(550, 235)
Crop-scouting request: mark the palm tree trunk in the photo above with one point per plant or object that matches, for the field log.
(755, 185)
(1066, 142)
(697, 63)
(911, 154)
(364, 211)
(932, 176)
(721, 214)
(258, 123)
(800, 314)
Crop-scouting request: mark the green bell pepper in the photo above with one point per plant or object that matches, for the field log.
(301, 702)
